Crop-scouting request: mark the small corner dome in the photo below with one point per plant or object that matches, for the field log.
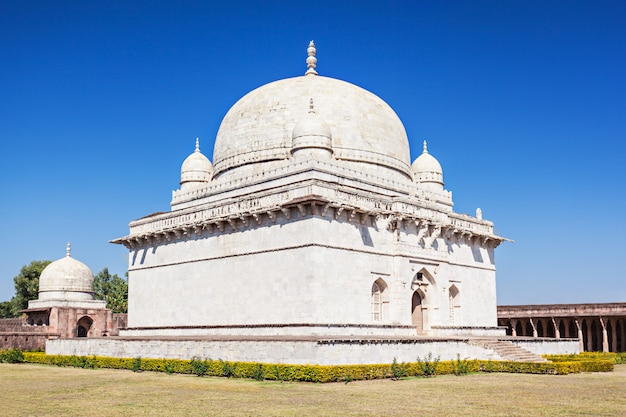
(66, 279)
(196, 167)
(426, 168)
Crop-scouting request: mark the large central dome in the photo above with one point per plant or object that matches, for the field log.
(258, 128)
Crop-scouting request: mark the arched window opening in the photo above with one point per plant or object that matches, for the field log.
(83, 326)
(573, 330)
(551, 332)
(379, 300)
(529, 329)
(519, 329)
(595, 340)
(453, 300)
(377, 303)
(539, 326)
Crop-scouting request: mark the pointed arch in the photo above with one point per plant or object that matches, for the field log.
(380, 300)
(417, 314)
(454, 303)
(529, 329)
(83, 326)
(424, 299)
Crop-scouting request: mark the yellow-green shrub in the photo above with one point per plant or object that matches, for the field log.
(564, 364)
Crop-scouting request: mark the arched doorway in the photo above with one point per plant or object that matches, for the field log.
(417, 318)
(83, 326)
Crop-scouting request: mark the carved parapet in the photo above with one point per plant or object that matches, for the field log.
(314, 198)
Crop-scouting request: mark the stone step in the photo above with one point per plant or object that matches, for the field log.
(507, 350)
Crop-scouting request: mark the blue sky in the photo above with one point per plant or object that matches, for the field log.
(523, 103)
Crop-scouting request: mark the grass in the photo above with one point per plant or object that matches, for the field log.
(36, 390)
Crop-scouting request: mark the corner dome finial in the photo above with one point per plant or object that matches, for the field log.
(197, 144)
(425, 147)
(311, 61)
(68, 249)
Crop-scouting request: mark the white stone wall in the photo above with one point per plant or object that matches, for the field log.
(307, 269)
(548, 347)
(289, 352)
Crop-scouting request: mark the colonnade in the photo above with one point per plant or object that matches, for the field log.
(596, 334)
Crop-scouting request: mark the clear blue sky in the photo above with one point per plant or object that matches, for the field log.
(522, 102)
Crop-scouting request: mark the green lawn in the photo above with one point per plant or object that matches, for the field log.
(36, 390)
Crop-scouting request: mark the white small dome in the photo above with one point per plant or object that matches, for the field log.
(426, 169)
(196, 167)
(66, 279)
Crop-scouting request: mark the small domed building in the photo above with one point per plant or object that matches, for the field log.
(67, 305)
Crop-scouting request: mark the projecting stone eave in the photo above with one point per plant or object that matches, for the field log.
(562, 310)
(316, 205)
(310, 191)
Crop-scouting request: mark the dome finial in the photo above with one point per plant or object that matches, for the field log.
(425, 147)
(311, 61)
(197, 144)
(68, 249)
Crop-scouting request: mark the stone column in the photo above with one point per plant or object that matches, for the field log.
(513, 329)
(605, 336)
(557, 332)
(533, 326)
(580, 335)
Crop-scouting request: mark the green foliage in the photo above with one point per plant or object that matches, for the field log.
(319, 373)
(11, 356)
(258, 372)
(169, 367)
(6, 309)
(199, 367)
(228, 369)
(279, 373)
(398, 370)
(461, 366)
(136, 364)
(26, 289)
(112, 289)
(428, 365)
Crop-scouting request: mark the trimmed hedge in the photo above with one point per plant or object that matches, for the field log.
(590, 361)
(560, 365)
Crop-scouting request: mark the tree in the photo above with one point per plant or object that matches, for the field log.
(112, 289)
(6, 309)
(26, 289)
